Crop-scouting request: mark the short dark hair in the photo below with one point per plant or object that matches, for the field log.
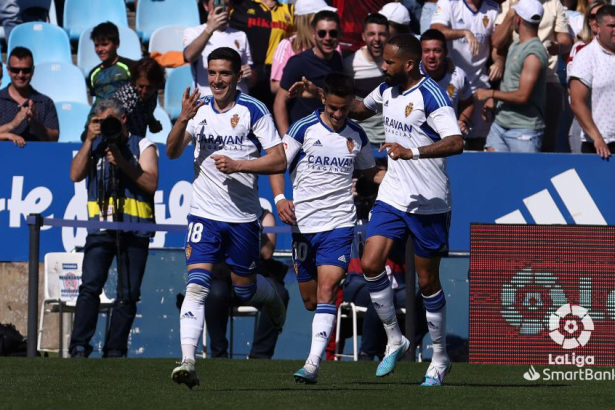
(339, 84)
(325, 15)
(376, 18)
(400, 28)
(106, 31)
(407, 44)
(608, 10)
(228, 54)
(434, 34)
(149, 68)
(21, 53)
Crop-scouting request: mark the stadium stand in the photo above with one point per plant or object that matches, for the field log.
(79, 15)
(47, 42)
(6, 80)
(177, 81)
(48, 5)
(130, 47)
(72, 116)
(163, 117)
(60, 82)
(152, 15)
(169, 38)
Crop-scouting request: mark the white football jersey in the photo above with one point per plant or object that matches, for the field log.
(455, 14)
(417, 117)
(456, 84)
(320, 163)
(239, 133)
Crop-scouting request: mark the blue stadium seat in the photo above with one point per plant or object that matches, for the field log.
(160, 137)
(177, 81)
(153, 14)
(60, 82)
(5, 80)
(47, 42)
(169, 38)
(130, 47)
(72, 117)
(82, 14)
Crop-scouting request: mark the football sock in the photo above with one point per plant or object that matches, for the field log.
(192, 315)
(322, 327)
(264, 291)
(436, 323)
(381, 294)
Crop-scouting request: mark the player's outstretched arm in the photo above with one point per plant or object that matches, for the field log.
(359, 111)
(446, 147)
(178, 138)
(272, 163)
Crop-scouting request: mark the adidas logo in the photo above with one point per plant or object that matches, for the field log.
(317, 143)
(204, 122)
(544, 210)
(322, 335)
(342, 259)
(252, 266)
(377, 305)
(386, 103)
(431, 325)
(188, 315)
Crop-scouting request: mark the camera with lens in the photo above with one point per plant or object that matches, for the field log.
(111, 129)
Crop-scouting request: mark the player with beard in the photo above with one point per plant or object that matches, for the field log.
(228, 130)
(414, 198)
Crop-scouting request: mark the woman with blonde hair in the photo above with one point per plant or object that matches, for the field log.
(302, 40)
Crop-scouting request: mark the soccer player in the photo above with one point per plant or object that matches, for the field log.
(228, 130)
(414, 198)
(322, 151)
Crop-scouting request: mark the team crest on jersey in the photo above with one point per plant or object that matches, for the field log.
(188, 251)
(485, 21)
(251, 11)
(438, 10)
(234, 120)
(237, 44)
(450, 90)
(350, 144)
(409, 108)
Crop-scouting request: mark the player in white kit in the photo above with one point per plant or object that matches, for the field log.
(414, 197)
(228, 130)
(322, 151)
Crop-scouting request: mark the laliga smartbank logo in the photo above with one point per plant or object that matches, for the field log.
(570, 327)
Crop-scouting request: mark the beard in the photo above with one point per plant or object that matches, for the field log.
(395, 79)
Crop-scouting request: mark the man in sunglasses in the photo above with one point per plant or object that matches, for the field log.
(314, 64)
(25, 114)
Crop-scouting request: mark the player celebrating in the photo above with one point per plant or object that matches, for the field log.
(228, 130)
(322, 151)
(414, 197)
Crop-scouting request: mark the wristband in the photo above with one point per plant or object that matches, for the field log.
(415, 153)
(278, 198)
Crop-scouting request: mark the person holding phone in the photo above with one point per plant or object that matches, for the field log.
(201, 40)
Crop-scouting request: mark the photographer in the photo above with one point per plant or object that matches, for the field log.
(122, 172)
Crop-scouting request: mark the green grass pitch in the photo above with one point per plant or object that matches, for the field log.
(49, 383)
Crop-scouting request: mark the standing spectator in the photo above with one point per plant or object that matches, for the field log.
(468, 27)
(302, 40)
(266, 23)
(364, 67)
(9, 16)
(25, 114)
(429, 8)
(553, 32)
(201, 40)
(519, 120)
(451, 78)
(140, 97)
(398, 16)
(592, 77)
(314, 64)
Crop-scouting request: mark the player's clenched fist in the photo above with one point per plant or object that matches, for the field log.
(396, 151)
(225, 164)
(286, 212)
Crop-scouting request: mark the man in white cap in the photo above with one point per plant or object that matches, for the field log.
(303, 7)
(519, 114)
(398, 16)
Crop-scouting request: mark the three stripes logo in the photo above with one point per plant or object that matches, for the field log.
(321, 335)
(188, 315)
(318, 143)
(543, 209)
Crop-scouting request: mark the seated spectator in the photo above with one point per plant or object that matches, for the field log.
(364, 67)
(25, 114)
(592, 78)
(398, 16)
(140, 97)
(201, 40)
(314, 64)
(519, 120)
(302, 40)
(451, 78)
(222, 298)
(9, 16)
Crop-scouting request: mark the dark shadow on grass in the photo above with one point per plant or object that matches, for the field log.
(505, 385)
(297, 389)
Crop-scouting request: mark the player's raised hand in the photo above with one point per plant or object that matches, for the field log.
(396, 151)
(225, 164)
(304, 89)
(190, 103)
(286, 212)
